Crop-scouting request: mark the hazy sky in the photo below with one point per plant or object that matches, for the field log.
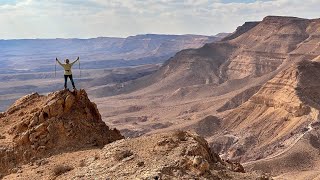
(121, 18)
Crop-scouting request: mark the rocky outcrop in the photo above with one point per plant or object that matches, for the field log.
(172, 155)
(186, 155)
(38, 126)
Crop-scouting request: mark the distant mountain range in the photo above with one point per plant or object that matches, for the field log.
(28, 65)
(37, 55)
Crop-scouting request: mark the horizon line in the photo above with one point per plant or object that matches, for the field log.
(118, 37)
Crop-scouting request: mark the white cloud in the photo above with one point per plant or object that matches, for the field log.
(92, 18)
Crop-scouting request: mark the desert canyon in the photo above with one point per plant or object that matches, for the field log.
(243, 106)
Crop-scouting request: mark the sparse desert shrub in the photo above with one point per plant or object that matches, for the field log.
(61, 169)
(122, 154)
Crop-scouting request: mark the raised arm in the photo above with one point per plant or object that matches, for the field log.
(59, 62)
(75, 61)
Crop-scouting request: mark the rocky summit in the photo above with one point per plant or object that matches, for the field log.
(38, 126)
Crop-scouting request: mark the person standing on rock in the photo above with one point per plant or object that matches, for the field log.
(67, 71)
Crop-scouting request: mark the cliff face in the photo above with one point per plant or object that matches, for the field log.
(277, 114)
(37, 126)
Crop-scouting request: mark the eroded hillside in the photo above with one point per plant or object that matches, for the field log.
(278, 114)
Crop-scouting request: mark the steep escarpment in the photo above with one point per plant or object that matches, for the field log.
(311, 45)
(240, 30)
(255, 50)
(268, 45)
(276, 34)
(279, 113)
(37, 126)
